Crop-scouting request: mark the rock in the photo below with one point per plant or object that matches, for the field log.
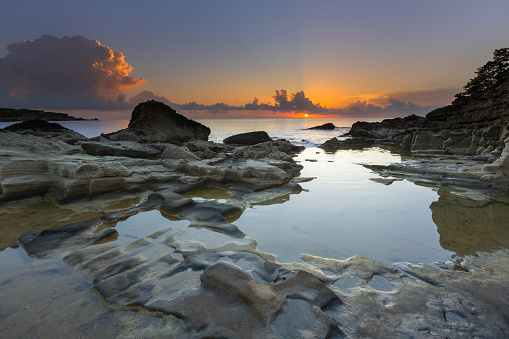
(328, 126)
(252, 173)
(44, 129)
(383, 129)
(475, 127)
(10, 114)
(14, 143)
(250, 138)
(119, 149)
(176, 152)
(265, 150)
(335, 144)
(153, 121)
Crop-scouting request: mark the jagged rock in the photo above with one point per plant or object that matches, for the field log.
(328, 126)
(44, 129)
(250, 138)
(119, 149)
(153, 121)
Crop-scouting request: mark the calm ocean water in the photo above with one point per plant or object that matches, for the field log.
(291, 129)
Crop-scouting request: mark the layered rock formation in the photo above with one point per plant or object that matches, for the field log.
(153, 121)
(474, 128)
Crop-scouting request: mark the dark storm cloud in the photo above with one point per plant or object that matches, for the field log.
(64, 73)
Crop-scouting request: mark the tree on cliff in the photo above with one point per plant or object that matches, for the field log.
(489, 76)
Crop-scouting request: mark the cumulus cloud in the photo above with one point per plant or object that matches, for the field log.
(295, 102)
(64, 73)
(148, 95)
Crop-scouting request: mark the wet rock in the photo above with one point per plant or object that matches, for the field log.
(153, 121)
(54, 241)
(232, 303)
(250, 138)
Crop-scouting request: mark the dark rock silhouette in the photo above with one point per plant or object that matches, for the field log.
(328, 126)
(11, 114)
(250, 138)
(153, 121)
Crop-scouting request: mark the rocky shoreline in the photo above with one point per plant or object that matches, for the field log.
(202, 276)
(465, 143)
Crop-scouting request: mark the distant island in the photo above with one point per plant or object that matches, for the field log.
(12, 114)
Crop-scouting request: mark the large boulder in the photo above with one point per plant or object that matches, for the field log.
(250, 138)
(153, 121)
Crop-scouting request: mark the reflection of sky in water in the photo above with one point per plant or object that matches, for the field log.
(344, 214)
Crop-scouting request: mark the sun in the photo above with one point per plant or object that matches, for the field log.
(306, 115)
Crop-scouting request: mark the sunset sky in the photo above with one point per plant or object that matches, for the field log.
(367, 58)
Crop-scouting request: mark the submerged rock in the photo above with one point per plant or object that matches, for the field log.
(153, 121)
(250, 138)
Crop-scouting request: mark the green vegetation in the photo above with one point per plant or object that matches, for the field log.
(491, 75)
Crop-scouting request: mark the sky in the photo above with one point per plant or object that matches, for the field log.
(338, 58)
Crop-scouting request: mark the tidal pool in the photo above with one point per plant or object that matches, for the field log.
(342, 213)
(339, 214)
